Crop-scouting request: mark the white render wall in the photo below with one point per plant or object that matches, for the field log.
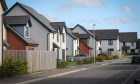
(59, 43)
(129, 44)
(105, 46)
(1, 11)
(75, 47)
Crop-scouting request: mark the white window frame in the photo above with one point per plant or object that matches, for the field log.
(28, 29)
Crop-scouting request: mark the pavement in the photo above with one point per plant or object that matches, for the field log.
(42, 77)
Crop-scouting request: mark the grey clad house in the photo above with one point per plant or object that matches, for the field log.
(37, 31)
(85, 35)
(72, 44)
(129, 39)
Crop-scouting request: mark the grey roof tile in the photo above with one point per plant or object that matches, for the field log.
(128, 36)
(58, 26)
(44, 21)
(107, 34)
(17, 20)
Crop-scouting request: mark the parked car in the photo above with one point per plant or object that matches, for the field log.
(135, 59)
(70, 58)
(81, 57)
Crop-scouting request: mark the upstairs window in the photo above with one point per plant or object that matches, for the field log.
(57, 37)
(26, 32)
(110, 42)
(63, 37)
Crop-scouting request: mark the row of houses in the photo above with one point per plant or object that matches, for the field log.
(23, 28)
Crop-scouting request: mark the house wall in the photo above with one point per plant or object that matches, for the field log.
(1, 11)
(19, 29)
(129, 44)
(105, 46)
(84, 49)
(70, 45)
(15, 42)
(79, 30)
(97, 47)
(37, 31)
(75, 46)
(91, 43)
(59, 43)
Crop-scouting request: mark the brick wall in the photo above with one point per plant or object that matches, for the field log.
(84, 49)
(15, 42)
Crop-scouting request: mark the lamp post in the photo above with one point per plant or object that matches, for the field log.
(94, 42)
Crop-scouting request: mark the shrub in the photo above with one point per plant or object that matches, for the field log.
(115, 57)
(108, 57)
(11, 68)
(62, 63)
(100, 58)
(79, 62)
(88, 60)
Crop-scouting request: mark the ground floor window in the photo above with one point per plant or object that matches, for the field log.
(109, 51)
(63, 54)
(132, 50)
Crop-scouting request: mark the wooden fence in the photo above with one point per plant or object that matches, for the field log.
(37, 60)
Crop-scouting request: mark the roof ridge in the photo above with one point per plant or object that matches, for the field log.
(39, 17)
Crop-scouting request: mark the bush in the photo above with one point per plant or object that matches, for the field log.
(115, 57)
(88, 60)
(79, 62)
(62, 63)
(100, 58)
(11, 68)
(133, 53)
(108, 57)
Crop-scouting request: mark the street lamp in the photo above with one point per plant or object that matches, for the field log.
(94, 42)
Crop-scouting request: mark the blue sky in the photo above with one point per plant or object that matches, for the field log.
(106, 14)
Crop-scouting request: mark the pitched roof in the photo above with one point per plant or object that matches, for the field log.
(128, 36)
(106, 34)
(70, 33)
(83, 29)
(4, 6)
(29, 41)
(83, 36)
(58, 26)
(40, 18)
(17, 20)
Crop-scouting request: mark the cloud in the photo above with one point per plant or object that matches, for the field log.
(126, 9)
(81, 4)
(117, 20)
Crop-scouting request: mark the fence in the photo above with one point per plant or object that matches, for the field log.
(37, 60)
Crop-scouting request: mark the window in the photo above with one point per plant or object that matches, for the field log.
(53, 35)
(30, 48)
(63, 37)
(110, 49)
(26, 32)
(132, 44)
(123, 43)
(110, 42)
(57, 37)
(132, 50)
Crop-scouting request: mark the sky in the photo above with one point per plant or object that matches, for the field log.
(106, 14)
